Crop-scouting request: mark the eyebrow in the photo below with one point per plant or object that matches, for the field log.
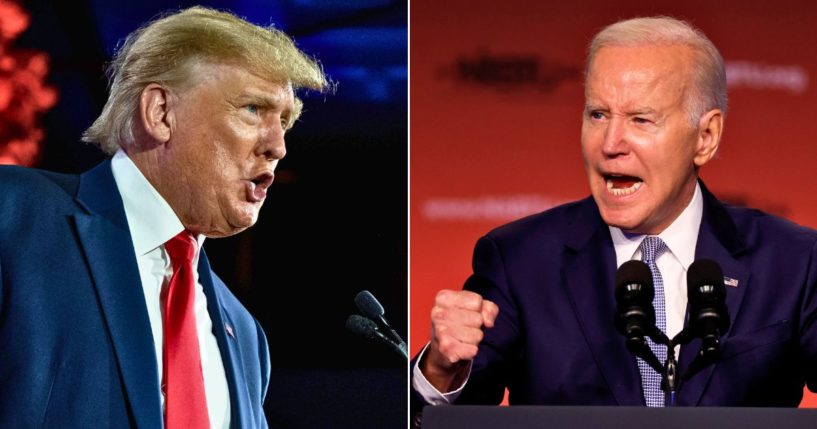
(631, 112)
(262, 100)
(642, 111)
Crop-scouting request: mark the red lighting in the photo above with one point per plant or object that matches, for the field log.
(24, 95)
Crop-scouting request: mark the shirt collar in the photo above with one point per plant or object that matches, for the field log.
(680, 237)
(151, 220)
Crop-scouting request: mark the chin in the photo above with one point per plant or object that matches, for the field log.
(622, 219)
(225, 231)
(231, 225)
(243, 220)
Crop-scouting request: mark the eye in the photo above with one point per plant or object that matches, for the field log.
(597, 115)
(252, 108)
(641, 120)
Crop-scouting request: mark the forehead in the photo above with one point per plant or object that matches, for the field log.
(639, 73)
(233, 82)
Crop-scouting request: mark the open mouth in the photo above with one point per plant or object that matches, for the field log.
(257, 187)
(263, 180)
(621, 185)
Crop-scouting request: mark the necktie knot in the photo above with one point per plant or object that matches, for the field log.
(651, 248)
(181, 248)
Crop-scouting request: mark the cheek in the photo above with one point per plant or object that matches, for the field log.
(645, 140)
(679, 142)
(594, 133)
(587, 144)
(245, 134)
(224, 163)
(680, 157)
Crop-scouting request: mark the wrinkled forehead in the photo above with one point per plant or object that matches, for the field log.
(199, 70)
(665, 68)
(656, 55)
(237, 83)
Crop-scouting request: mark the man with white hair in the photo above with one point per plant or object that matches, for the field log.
(110, 315)
(537, 315)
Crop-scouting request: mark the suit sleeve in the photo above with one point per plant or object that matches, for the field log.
(264, 362)
(2, 292)
(264, 359)
(808, 324)
(499, 348)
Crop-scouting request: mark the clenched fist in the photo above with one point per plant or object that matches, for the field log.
(457, 319)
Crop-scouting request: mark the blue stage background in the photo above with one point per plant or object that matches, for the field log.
(335, 220)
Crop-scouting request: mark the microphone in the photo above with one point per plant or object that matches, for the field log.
(371, 308)
(635, 315)
(367, 329)
(708, 314)
(369, 305)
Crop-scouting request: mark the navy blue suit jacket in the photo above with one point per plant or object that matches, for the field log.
(554, 343)
(76, 349)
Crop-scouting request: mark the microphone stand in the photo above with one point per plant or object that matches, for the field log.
(670, 381)
(669, 370)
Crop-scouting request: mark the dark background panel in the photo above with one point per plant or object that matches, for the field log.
(335, 221)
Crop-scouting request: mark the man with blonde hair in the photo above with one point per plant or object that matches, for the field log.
(110, 315)
(537, 316)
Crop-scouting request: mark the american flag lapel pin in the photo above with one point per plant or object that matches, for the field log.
(229, 329)
(729, 281)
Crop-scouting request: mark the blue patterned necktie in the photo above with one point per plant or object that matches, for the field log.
(651, 248)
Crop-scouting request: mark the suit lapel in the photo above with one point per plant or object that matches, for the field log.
(719, 241)
(240, 413)
(588, 274)
(106, 241)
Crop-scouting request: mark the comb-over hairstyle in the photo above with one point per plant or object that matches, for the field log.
(709, 74)
(166, 50)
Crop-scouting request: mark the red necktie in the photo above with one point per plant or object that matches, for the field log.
(185, 401)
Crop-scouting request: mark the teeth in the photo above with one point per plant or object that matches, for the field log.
(620, 192)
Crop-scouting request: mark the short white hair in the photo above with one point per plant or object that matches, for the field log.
(709, 73)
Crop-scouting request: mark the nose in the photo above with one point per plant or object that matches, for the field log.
(615, 138)
(272, 145)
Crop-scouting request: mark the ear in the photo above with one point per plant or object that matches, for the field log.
(155, 113)
(710, 129)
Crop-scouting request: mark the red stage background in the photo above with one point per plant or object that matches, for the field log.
(496, 102)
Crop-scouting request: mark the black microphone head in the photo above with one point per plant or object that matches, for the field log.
(704, 272)
(368, 305)
(635, 315)
(707, 296)
(367, 329)
(362, 326)
(634, 273)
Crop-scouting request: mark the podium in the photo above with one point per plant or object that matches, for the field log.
(581, 417)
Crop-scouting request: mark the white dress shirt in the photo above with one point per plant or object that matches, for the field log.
(152, 223)
(680, 237)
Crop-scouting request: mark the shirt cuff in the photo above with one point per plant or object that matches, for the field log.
(430, 393)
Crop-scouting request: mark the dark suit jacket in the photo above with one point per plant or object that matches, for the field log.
(76, 349)
(552, 276)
